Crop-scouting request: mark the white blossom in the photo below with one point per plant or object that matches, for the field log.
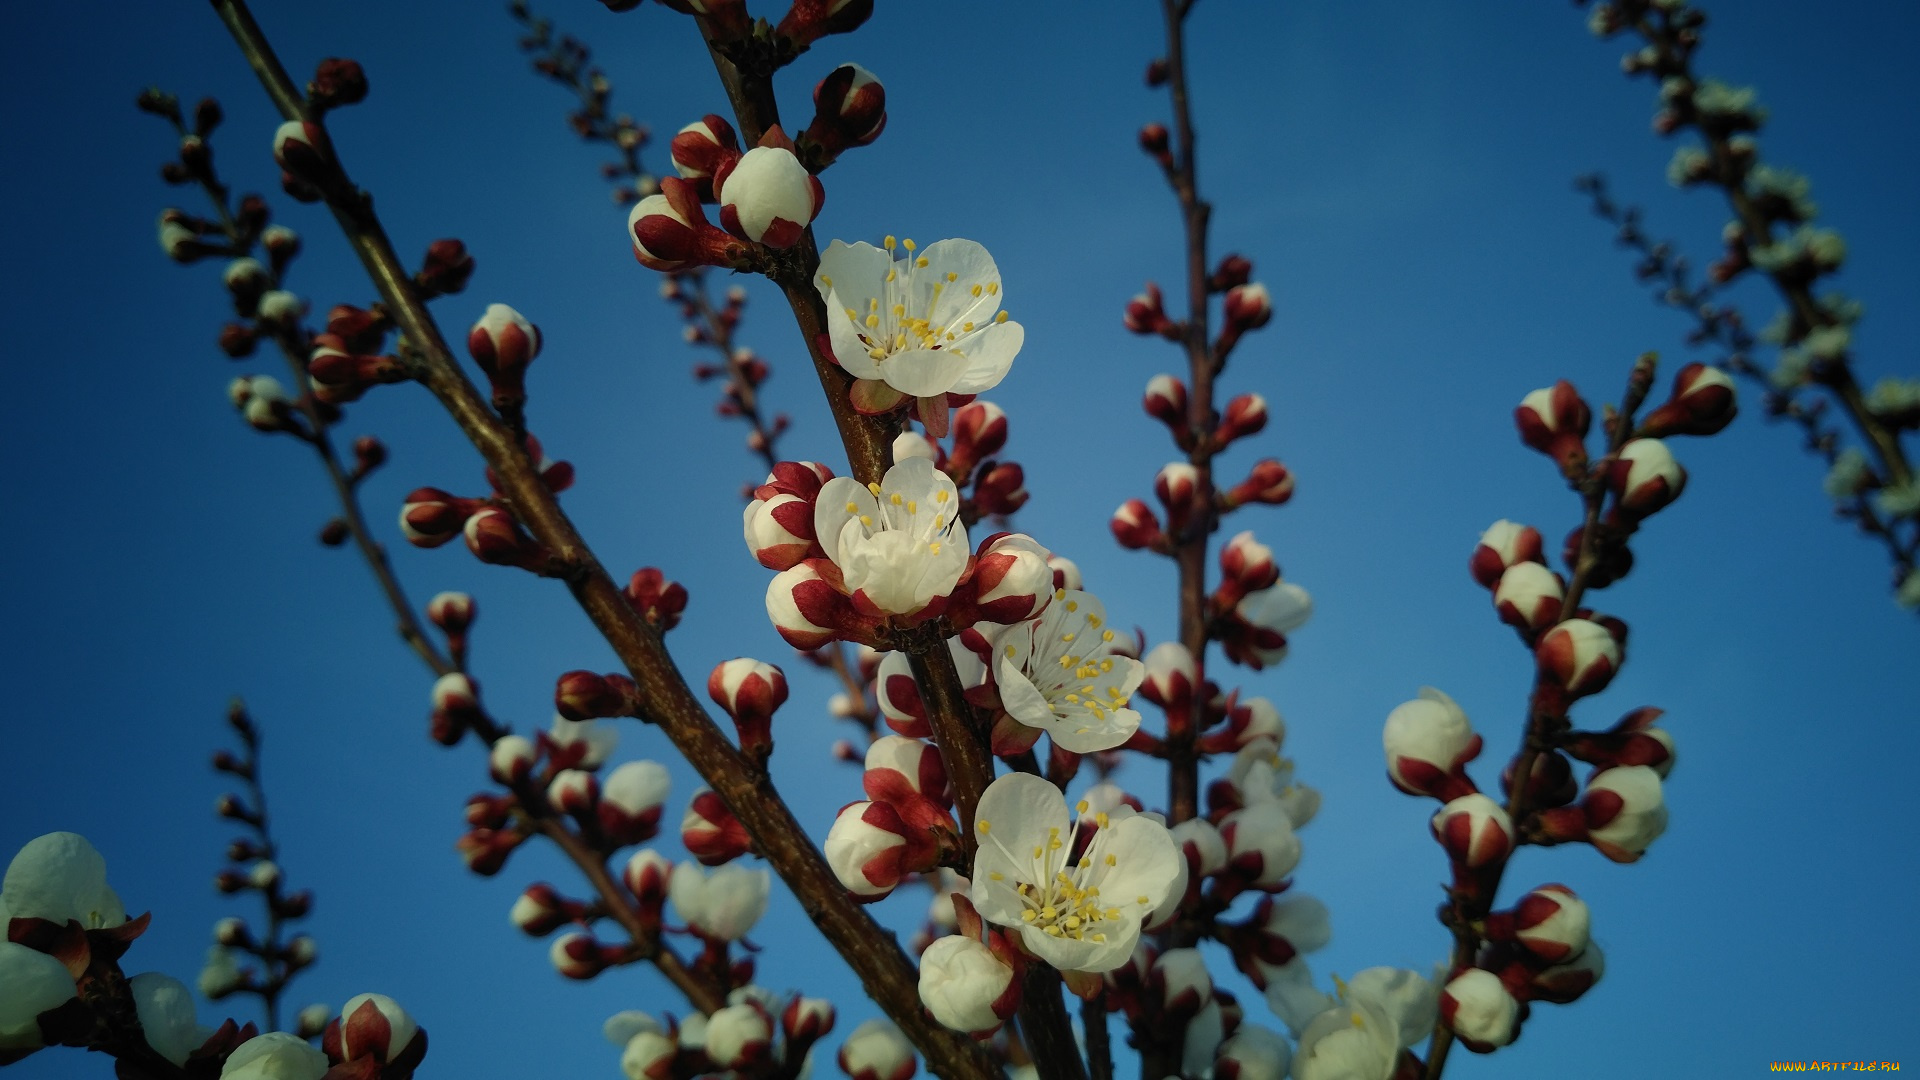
(899, 544)
(31, 982)
(926, 325)
(723, 905)
(1080, 916)
(276, 1055)
(165, 1008)
(1061, 673)
(61, 878)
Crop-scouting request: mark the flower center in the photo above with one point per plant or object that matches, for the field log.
(1072, 664)
(1059, 899)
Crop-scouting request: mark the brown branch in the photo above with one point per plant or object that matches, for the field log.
(886, 973)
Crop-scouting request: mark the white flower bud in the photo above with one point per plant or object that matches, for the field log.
(1200, 842)
(649, 1055)
(877, 1051)
(276, 1055)
(1253, 1053)
(965, 986)
(511, 759)
(1261, 843)
(1581, 655)
(769, 197)
(165, 1008)
(1626, 811)
(1475, 830)
(1479, 1009)
(723, 905)
(738, 1036)
(34, 983)
(374, 1025)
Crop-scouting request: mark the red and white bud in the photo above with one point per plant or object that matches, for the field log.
(1262, 848)
(485, 850)
(1703, 403)
(375, 1026)
(179, 239)
(1633, 741)
(1281, 929)
(338, 376)
(1248, 564)
(966, 987)
(503, 343)
(1179, 489)
(540, 910)
(807, 21)
(1250, 719)
(1066, 573)
(1135, 526)
(740, 1037)
(1179, 979)
(1626, 811)
(1001, 490)
(302, 149)
(577, 955)
(670, 231)
(796, 598)
(586, 695)
(1529, 597)
(454, 694)
(494, 538)
(1475, 830)
(1201, 844)
(1268, 482)
(1581, 655)
(246, 279)
(1011, 581)
(871, 849)
(1245, 415)
(511, 760)
(430, 517)
(1562, 984)
(445, 269)
(659, 601)
(1645, 477)
(849, 109)
(452, 612)
(750, 691)
(876, 1050)
(1166, 401)
(1480, 1010)
(1172, 676)
(898, 696)
(1550, 922)
(779, 530)
(912, 444)
(576, 792)
(648, 875)
(1250, 306)
(901, 771)
(1504, 545)
(710, 831)
(1147, 314)
(806, 1019)
(1554, 421)
(279, 307)
(979, 432)
(650, 1055)
(768, 197)
(1252, 1053)
(701, 148)
(631, 799)
(1256, 632)
(579, 744)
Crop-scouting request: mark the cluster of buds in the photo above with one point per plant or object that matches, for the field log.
(849, 109)
(1252, 611)
(766, 198)
(338, 375)
(905, 825)
(431, 517)
(1539, 950)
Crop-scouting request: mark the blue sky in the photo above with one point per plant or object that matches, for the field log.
(1399, 172)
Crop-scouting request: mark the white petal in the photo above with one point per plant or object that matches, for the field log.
(990, 354)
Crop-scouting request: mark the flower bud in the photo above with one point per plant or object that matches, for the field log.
(710, 831)
(1261, 846)
(1172, 677)
(431, 517)
(966, 987)
(806, 1019)
(302, 149)
(575, 792)
(577, 955)
(246, 279)
(1528, 597)
(1166, 401)
(1245, 415)
(503, 343)
(337, 82)
(849, 109)
(750, 692)
(1703, 403)
(723, 905)
(1504, 545)
(338, 376)
(1179, 489)
(445, 269)
(903, 771)
(485, 851)
(808, 21)
(1066, 574)
(979, 432)
(281, 308)
(1581, 655)
(1475, 830)
(512, 759)
(1562, 984)
(1554, 421)
(1550, 922)
(375, 1026)
(494, 538)
(1001, 490)
(1255, 632)
(700, 148)
(1267, 482)
(658, 600)
(1135, 526)
(1248, 307)
(649, 1055)
(1147, 314)
(1179, 979)
(898, 697)
(1477, 1006)
(739, 1037)
(1155, 140)
(1247, 566)
(671, 232)
(647, 876)
(1632, 741)
(1625, 811)
(871, 850)
(631, 800)
(805, 609)
(912, 444)
(1252, 1053)
(1429, 742)
(876, 1050)
(767, 196)
(579, 744)
(540, 910)
(1645, 477)
(452, 612)
(1011, 581)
